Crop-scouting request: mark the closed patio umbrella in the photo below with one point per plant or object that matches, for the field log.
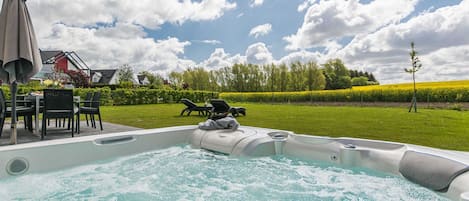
(19, 54)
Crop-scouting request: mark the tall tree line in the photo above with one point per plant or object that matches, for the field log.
(256, 78)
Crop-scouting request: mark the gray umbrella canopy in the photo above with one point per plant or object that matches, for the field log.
(19, 54)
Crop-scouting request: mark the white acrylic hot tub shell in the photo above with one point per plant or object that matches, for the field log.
(377, 155)
(247, 141)
(58, 154)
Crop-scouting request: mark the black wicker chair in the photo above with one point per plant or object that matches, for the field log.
(191, 106)
(221, 109)
(87, 103)
(92, 108)
(58, 103)
(24, 108)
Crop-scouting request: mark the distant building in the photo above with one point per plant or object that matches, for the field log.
(62, 62)
(142, 80)
(106, 76)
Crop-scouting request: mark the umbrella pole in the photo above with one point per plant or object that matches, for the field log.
(13, 89)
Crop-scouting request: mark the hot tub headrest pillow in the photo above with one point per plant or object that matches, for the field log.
(430, 171)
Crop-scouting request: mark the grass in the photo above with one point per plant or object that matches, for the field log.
(445, 129)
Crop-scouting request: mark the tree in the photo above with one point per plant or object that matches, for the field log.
(360, 73)
(315, 79)
(79, 78)
(126, 74)
(154, 80)
(298, 77)
(176, 79)
(238, 81)
(213, 80)
(272, 73)
(337, 75)
(284, 78)
(372, 78)
(359, 81)
(416, 65)
(343, 82)
(196, 78)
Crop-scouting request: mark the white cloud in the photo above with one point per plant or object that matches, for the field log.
(440, 38)
(255, 3)
(333, 20)
(258, 53)
(211, 42)
(111, 51)
(219, 59)
(240, 15)
(108, 33)
(300, 56)
(303, 6)
(446, 64)
(121, 30)
(261, 30)
(147, 13)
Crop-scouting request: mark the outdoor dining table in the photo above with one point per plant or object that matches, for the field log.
(36, 101)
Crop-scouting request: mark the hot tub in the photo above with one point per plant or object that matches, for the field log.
(444, 172)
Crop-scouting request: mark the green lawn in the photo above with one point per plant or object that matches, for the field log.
(445, 129)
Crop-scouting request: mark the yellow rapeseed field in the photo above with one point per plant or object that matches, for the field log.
(420, 85)
(450, 91)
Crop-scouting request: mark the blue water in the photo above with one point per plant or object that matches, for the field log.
(182, 173)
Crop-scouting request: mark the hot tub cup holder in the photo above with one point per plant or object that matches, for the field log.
(279, 138)
(350, 155)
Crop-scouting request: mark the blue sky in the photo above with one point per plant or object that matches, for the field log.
(232, 30)
(166, 35)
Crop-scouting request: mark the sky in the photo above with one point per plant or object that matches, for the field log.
(171, 35)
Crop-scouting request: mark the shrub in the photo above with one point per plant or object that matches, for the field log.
(153, 96)
(451, 95)
(360, 81)
(123, 96)
(106, 98)
(126, 84)
(79, 78)
(344, 82)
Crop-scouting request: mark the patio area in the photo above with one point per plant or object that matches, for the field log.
(25, 136)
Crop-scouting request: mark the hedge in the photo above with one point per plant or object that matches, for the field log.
(130, 96)
(153, 96)
(348, 95)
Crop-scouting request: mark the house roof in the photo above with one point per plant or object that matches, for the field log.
(141, 78)
(107, 75)
(50, 56)
(46, 55)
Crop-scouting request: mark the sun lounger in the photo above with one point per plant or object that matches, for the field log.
(221, 108)
(191, 106)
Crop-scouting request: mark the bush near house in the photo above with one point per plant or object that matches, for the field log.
(151, 96)
(123, 96)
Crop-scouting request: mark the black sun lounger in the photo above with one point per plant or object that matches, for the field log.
(191, 106)
(221, 107)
